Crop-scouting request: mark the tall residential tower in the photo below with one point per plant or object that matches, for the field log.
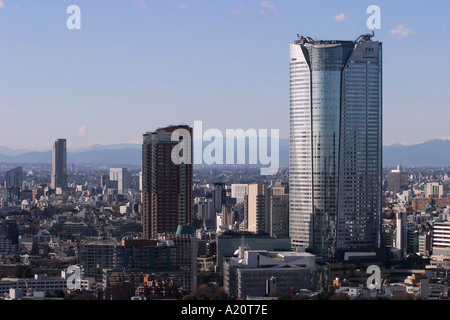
(167, 199)
(335, 144)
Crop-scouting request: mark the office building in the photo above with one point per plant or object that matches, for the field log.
(238, 191)
(185, 241)
(278, 213)
(259, 273)
(205, 209)
(256, 208)
(397, 180)
(27, 287)
(441, 238)
(13, 183)
(434, 190)
(401, 233)
(59, 164)
(94, 256)
(147, 255)
(121, 178)
(335, 173)
(14, 178)
(219, 196)
(228, 243)
(425, 243)
(167, 198)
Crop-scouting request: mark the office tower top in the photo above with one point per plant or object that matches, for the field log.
(167, 199)
(335, 144)
(59, 164)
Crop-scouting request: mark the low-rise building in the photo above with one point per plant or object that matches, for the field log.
(262, 272)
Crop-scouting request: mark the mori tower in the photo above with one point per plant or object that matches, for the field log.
(335, 166)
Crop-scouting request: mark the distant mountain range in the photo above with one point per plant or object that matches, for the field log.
(102, 156)
(433, 153)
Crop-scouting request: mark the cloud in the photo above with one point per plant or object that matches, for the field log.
(267, 8)
(82, 131)
(181, 5)
(341, 17)
(139, 3)
(1, 4)
(240, 10)
(402, 32)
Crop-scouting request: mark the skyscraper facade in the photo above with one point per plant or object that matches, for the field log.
(13, 183)
(335, 144)
(122, 177)
(279, 212)
(167, 199)
(59, 164)
(256, 208)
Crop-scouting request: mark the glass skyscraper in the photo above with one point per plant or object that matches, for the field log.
(59, 164)
(335, 144)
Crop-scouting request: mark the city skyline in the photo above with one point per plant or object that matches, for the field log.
(179, 62)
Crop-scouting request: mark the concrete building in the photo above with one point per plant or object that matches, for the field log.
(185, 241)
(27, 286)
(425, 247)
(13, 183)
(441, 238)
(121, 177)
(146, 255)
(434, 190)
(94, 256)
(228, 243)
(219, 196)
(397, 180)
(419, 204)
(256, 208)
(205, 210)
(262, 272)
(278, 213)
(401, 233)
(238, 191)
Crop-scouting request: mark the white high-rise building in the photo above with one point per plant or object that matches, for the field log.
(238, 191)
(123, 178)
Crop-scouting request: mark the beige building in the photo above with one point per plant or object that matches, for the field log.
(267, 210)
(257, 208)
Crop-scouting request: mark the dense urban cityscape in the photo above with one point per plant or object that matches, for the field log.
(316, 216)
(93, 224)
(225, 232)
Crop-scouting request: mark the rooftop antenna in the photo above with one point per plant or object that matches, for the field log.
(365, 37)
(304, 39)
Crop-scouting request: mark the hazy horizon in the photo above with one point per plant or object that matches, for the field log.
(135, 66)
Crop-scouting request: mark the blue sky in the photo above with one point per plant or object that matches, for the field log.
(136, 65)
